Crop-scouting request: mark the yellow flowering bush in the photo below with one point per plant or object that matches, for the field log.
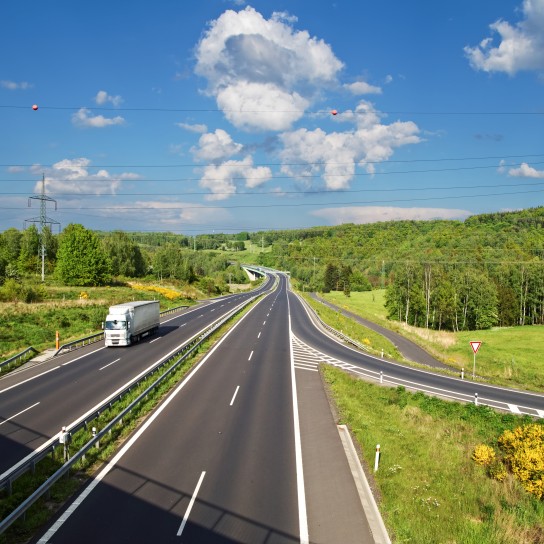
(522, 452)
(168, 293)
(483, 455)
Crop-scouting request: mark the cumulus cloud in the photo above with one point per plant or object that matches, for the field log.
(84, 118)
(362, 87)
(222, 180)
(520, 46)
(526, 171)
(334, 156)
(199, 128)
(263, 72)
(103, 97)
(15, 86)
(374, 214)
(215, 146)
(74, 176)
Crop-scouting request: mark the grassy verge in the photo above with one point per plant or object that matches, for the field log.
(74, 312)
(373, 341)
(509, 356)
(431, 491)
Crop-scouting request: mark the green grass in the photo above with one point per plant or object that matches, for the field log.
(511, 356)
(431, 491)
(375, 343)
(24, 325)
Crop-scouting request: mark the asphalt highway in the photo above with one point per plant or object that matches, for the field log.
(221, 460)
(37, 401)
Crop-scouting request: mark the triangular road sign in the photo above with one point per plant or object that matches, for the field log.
(475, 346)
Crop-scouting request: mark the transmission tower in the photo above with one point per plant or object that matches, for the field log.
(43, 220)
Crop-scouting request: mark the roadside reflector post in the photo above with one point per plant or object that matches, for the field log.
(381, 376)
(97, 445)
(382, 353)
(476, 399)
(57, 340)
(462, 373)
(377, 458)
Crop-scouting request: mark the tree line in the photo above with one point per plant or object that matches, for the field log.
(82, 257)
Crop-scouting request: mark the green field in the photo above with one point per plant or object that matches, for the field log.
(512, 356)
(430, 490)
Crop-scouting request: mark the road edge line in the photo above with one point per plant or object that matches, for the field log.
(373, 515)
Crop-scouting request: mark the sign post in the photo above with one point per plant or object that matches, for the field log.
(475, 347)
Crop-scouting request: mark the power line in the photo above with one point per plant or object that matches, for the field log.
(318, 163)
(275, 193)
(336, 204)
(297, 111)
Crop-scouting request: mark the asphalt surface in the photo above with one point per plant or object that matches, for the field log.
(219, 461)
(36, 401)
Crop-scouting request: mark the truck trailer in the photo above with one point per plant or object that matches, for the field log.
(127, 323)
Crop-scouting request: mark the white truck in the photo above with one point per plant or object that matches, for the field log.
(129, 322)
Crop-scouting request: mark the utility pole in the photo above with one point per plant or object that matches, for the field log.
(43, 220)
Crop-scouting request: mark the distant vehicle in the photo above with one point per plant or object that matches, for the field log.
(127, 323)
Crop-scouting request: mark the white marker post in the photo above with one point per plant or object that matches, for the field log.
(377, 458)
(475, 347)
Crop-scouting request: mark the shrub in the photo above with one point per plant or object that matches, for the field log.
(483, 455)
(522, 452)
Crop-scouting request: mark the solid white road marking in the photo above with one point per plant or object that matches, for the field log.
(155, 339)
(190, 507)
(514, 409)
(302, 512)
(234, 396)
(109, 364)
(18, 414)
(29, 379)
(540, 413)
(130, 442)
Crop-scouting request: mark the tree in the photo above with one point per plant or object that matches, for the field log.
(30, 249)
(331, 278)
(81, 259)
(125, 255)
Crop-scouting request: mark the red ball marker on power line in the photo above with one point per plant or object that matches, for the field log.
(334, 112)
(35, 107)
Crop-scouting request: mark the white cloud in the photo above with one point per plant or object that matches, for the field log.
(526, 171)
(253, 64)
(361, 87)
(198, 128)
(521, 45)
(15, 169)
(334, 155)
(73, 176)
(15, 86)
(214, 146)
(223, 179)
(374, 214)
(84, 118)
(170, 214)
(103, 97)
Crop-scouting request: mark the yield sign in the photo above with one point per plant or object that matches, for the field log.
(475, 346)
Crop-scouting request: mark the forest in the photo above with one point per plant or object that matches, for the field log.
(446, 275)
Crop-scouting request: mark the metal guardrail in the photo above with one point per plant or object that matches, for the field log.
(336, 333)
(18, 357)
(7, 479)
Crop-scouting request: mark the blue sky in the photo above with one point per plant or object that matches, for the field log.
(216, 116)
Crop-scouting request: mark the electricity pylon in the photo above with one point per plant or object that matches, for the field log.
(43, 220)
